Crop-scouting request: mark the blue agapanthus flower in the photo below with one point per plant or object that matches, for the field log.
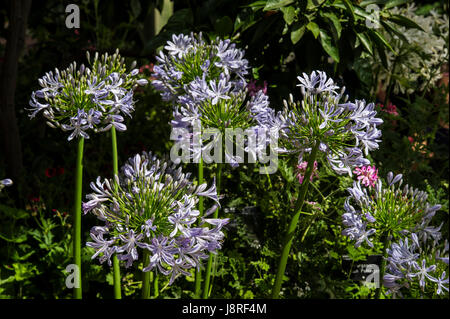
(151, 206)
(416, 262)
(206, 83)
(87, 98)
(344, 131)
(388, 210)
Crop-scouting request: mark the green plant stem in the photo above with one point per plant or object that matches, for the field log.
(198, 273)
(293, 224)
(206, 287)
(115, 261)
(77, 216)
(146, 279)
(156, 285)
(386, 244)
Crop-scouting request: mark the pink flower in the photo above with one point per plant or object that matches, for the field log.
(301, 170)
(391, 109)
(253, 88)
(367, 175)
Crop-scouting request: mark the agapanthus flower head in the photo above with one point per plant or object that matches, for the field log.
(151, 206)
(416, 263)
(389, 210)
(344, 132)
(301, 170)
(94, 97)
(205, 81)
(368, 175)
(5, 182)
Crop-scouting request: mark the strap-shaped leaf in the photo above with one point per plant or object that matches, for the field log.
(365, 42)
(404, 21)
(334, 21)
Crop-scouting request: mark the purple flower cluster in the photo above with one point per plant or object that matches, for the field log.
(387, 210)
(151, 206)
(345, 131)
(83, 99)
(415, 261)
(206, 69)
(206, 83)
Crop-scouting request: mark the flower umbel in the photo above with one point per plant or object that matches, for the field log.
(388, 210)
(151, 206)
(87, 98)
(345, 131)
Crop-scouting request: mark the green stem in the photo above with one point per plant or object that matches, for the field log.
(116, 266)
(206, 287)
(77, 216)
(386, 244)
(293, 224)
(198, 273)
(146, 279)
(156, 285)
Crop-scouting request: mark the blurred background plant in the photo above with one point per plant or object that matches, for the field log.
(281, 39)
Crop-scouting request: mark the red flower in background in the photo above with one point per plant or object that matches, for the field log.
(53, 171)
(391, 109)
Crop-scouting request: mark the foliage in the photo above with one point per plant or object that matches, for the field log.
(282, 39)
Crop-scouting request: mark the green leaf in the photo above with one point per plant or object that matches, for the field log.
(335, 22)
(381, 52)
(311, 4)
(288, 14)
(394, 3)
(390, 27)
(314, 28)
(365, 42)
(328, 45)
(276, 4)
(257, 4)
(365, 3)
(363, 13)
(404, 21)
(297, 32)
(350, 8)
(380, 40)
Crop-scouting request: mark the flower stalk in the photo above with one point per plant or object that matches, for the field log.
(115, 261)
(386, 245)
(293, 224)
(77, 217)
(198, 273)
(146, 279)
(206, 287)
